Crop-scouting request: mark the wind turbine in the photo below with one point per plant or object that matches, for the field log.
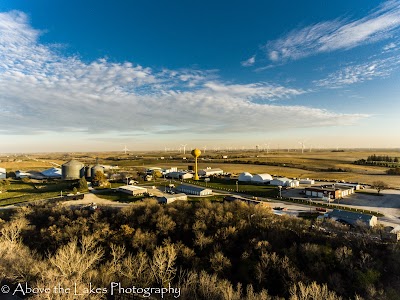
(184, 148)
(302, 146)
(205, 148)
(266, 144)
(125, 149)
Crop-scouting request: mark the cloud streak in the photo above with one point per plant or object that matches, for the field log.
(42, 90)
(358, 73)
(336, 35)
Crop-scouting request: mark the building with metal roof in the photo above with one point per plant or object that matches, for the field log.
(52, 173)
(132, 190)
(352, 218)
(245, 176)
(180, 175)
(261, 178)
(210, 172)
(194, 190)
(283, 181)
(168, 198)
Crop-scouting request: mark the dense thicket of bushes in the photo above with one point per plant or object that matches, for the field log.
(210, 250)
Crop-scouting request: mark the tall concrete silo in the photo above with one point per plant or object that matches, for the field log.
(72, 170)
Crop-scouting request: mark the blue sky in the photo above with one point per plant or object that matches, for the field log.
(99, 75)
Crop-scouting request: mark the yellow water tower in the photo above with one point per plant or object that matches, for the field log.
(196, 153)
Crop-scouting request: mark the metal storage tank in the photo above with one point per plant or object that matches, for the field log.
(72, 170)
(88, 171)
(97, 168)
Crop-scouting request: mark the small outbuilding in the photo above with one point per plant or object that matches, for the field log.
(283, 181)
(180, 175)
(194, 190)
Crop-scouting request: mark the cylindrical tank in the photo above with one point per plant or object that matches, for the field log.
(88, 171)
(72, 170)
(95, 169)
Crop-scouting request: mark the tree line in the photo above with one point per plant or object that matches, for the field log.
(209, 250)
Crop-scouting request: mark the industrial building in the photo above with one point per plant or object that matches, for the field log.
(132, 190)
(261, 178)
(352, 218)
(355, 186)
(245, 177)
(72, 170)
(210, 171)
(330, 191)
(283, 181)
(54, 173)
(167, 198)
(3, 173)
(180, 175)
(194, 190)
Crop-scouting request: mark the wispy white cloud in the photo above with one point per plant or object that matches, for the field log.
(249, 62)
(336, 34)
(42, 90)
(357, 73)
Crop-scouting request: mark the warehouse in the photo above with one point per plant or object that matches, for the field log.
(180, 175)
(307, 181)
(246, 177)
(3, 173)
(171, 198)
(352, 218)
(283, 181)
(194, 190)
(210, 172)
(331, 191)
(261, 178)
(132, 190)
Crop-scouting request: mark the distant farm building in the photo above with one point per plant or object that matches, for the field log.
(283, 181)
(210, 172)
(307, 181)
(245, 177)
(352, 218)
(132, 190)
(22, 174)
(261, 178)
(3, 173)
(180, 175)
(355, 186)
(171, 198)
(95, 169)
(72, 170)
(52, 173)
(330, 191)
(194, 190)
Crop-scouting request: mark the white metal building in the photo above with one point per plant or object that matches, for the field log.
(3, 173)
(352, 218)
(245, 176)
(132, 190)
(194, 190)
(307, 181)
(261, 178)
(180, 175)
(283, 181)
(167, 198)
(210, 171)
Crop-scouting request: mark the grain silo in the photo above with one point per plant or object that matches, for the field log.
(73, 170)
(97, 168)
(88, 171)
